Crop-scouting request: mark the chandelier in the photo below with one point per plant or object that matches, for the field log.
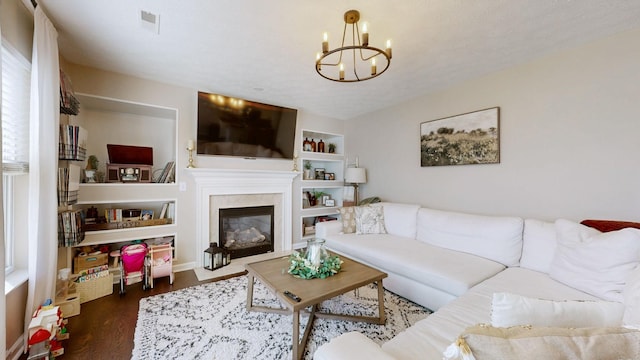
(361, 59)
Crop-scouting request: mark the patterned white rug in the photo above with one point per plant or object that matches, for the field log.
(210, 321)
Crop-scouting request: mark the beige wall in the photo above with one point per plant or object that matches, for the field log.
(569, 139)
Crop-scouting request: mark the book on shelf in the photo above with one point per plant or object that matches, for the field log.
(72, 143)
(168, 173)
(68, 185)
(163, 212)
(69, 104)
(70, 231)
(113, 215)
(171, 211)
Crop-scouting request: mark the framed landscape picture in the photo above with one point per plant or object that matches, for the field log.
(471, 138)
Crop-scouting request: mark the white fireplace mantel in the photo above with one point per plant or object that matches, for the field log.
(212, 182)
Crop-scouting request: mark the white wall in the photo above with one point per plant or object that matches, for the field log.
(569, 146)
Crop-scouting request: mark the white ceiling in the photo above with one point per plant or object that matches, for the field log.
(264, 50)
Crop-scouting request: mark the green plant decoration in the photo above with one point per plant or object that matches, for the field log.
(302, 268)
(92, 163)
(332, 147)
(307, 164)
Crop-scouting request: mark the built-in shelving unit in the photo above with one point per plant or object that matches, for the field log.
(123, 122)
(326, 176)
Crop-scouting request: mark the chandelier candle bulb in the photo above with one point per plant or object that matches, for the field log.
(325, 43)
(389, 48)
(318, 62)
(373, 66)
(341, 71)
(365, 35)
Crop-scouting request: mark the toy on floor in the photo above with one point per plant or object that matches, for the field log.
(133, 265)
(161, 262)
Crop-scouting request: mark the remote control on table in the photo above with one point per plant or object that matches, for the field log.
(292, 296)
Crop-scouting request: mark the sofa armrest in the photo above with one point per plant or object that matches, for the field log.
(350, 346)
(326, 228)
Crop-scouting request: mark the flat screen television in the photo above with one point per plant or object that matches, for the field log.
(235, 127)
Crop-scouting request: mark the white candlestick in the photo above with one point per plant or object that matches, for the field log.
(190, 144)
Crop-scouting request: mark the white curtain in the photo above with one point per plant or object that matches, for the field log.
(3, 301)
(43, 207)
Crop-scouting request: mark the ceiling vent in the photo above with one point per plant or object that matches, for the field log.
(150, 21)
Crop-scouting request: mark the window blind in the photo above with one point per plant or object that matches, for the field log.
(16, 79)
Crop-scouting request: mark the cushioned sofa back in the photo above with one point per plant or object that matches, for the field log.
(538, 245)
(400, 219)
(491, 237)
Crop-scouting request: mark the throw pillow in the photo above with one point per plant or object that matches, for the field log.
(348, 217)
(484, 342)
(370, 220)
(631, 295)
(511, 310)
(594, 262)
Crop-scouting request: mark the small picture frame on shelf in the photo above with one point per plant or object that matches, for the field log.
(329, 176)
(325, 198)
(330, 202)
(146, 215)
(319, 173)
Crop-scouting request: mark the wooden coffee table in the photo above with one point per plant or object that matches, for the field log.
(273, 274)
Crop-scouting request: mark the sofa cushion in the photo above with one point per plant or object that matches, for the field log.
(348, 219)
(492, 237)
(594, 262)
(538, 245)
(449, 271)
(550, 343)
(400, 219)
(369, 220)
(428, 338)
(509, 309)
(631, 296)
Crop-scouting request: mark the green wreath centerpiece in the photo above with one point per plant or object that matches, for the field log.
(301, 267)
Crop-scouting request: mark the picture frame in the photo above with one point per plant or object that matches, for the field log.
(319, 173)
(329, 176)
(330, 202)
(324, 199)
(146, 215)
(465, 139)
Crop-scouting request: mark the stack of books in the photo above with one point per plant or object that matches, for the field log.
(168, 173)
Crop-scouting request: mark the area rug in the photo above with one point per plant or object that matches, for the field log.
(210, 321)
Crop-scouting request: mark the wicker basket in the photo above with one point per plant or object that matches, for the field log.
(95, 288)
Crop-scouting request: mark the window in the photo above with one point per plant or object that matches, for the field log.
(16, 74)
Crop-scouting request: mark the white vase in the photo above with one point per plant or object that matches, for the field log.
(90, 175)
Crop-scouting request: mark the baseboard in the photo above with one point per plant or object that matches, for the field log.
(184, 266)
(16, 350)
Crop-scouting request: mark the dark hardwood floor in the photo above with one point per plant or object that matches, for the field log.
(105, 327)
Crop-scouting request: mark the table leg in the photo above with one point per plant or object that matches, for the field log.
(295, 334)
(383, 316)
(249, 292)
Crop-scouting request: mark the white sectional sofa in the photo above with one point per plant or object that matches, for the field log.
(458, 264)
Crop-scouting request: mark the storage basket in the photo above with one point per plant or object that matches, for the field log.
(95, 288)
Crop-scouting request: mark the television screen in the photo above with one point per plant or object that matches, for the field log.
(236, 127)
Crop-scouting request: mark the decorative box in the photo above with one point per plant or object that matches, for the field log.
(89, 261)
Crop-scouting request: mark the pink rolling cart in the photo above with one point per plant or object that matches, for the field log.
(161, 262)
